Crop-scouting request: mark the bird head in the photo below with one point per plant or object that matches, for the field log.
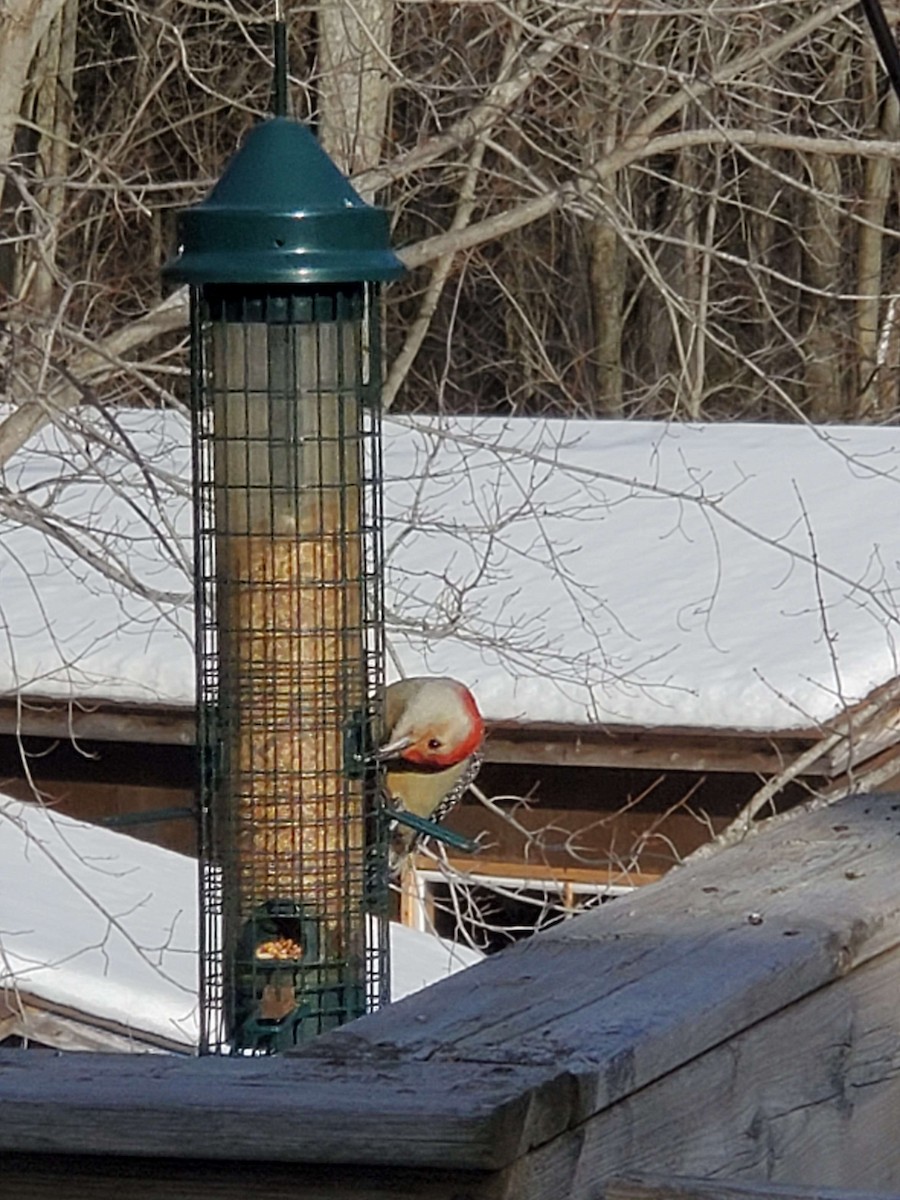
(431, 722)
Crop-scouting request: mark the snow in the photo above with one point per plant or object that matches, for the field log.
(97, 921)
(717, 576)
(93, 920)
(730, 576)
(420, 959)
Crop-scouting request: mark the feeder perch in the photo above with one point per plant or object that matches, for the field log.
(456, 841)
(284, 260)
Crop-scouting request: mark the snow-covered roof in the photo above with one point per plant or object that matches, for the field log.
(98, 923)
(715, 576)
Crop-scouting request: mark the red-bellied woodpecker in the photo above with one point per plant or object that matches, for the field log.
(432, 746)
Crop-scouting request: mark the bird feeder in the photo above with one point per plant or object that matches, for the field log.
(284, 261)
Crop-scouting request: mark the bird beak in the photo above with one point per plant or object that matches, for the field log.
(392, 749)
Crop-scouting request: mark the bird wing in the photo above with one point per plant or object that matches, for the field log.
(460, 787)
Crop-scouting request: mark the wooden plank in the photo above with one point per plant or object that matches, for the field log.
(661, 1187)
(529, 1058)
(646, 749)
(678, 748)
(103, 721)
(276, 1109)
(810, 1096)
(870, 737)
(64, 1033)
(609, 993)
(675, 748)
(65, 1028)
(410, 903)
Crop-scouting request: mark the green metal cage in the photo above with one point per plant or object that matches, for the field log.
(284, 262)
(290, 659)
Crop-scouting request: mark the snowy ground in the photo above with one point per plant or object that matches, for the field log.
(739, 576)
(96, 921)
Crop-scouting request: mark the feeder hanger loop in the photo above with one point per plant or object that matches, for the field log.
(884, 40)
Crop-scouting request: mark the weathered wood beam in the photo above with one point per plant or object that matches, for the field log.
(642, 748)
(63, 1033)
(264, 1110)
(646, 749)
(37, 716)
(66, 1028)
(557, 745)
(737, 1018)
(660, 1187)
(806, 1096)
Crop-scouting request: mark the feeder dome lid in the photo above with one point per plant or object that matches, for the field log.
(282, 213)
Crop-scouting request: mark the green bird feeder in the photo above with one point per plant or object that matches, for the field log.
(284, 262)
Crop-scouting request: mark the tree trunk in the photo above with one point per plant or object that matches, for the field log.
(52, 114)
(872, 233)
(825, 341)
(355, 81)
(602, 86)
(608, 289)
(24, 25)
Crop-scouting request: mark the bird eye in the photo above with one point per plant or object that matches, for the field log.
(434, 744)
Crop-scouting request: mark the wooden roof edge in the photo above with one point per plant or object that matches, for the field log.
(480, 1069)
(30, 713)
(611, 730)
(14, 999)
(673, 747)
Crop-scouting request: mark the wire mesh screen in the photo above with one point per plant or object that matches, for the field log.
(290, 661)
